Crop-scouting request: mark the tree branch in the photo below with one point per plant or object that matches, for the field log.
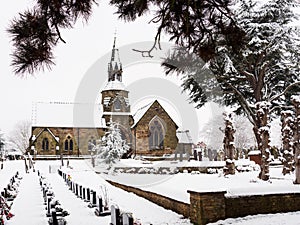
(243, 101)
(285, 91)
(156, 42)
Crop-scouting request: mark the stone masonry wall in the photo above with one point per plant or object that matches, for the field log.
(205, 207)
(213, 206)
(167, 203)
(142, 131)
(261, 204)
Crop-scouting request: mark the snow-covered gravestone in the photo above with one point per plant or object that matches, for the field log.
(88, 194)
(80, 191)
(83, 193)
(127, 219)
(94, 199)
(115, 215)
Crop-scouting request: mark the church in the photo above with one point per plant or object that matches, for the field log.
(148, 131)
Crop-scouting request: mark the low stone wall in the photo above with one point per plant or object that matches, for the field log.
(213, 206)
(262, 204)
(167, 203)
(207, 207)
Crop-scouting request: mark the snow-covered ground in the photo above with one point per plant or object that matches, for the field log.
(28, 206)
(29, 209)
(176, 186)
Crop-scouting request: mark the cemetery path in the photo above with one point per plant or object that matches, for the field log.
(73, 204)
(28, 207)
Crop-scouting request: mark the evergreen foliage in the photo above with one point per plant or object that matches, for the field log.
(112, 147)
(192, 24)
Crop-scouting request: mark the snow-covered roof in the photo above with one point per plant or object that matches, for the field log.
(15, 152)
(254, 152)
(114, 85)
(47, 129)
(67, 114)
(141, 112)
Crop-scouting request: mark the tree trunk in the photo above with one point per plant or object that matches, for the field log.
(296, 137)
(263, 138)
(287, 147)
(228, 142)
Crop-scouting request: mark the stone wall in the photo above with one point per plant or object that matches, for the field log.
(213, 206)
(79, 136)
(141, 131)
(167, 203)
(205, 207)
(262, 204)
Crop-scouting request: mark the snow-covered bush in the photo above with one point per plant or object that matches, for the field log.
(112, 146)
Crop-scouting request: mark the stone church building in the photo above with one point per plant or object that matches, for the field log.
(149, 131)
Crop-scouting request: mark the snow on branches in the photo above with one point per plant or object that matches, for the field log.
(287, 159)
(112, 146)
(263, 129)
(296, 136)
(228, 142)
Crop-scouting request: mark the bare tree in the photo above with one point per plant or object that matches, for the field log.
(212, 134)
(19, 137)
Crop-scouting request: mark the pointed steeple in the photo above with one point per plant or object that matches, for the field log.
(115, 65)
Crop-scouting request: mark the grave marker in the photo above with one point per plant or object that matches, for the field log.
(115, 215)
(127, 219)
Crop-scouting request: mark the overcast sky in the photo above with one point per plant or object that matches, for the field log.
(86, 44)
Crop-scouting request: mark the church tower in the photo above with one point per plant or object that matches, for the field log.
(115, 97)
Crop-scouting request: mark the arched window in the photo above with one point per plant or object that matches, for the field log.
(117, 105)
(66, 145)
(69, 144)
(45, 144)
(156, 137)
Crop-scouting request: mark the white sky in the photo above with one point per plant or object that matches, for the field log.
(86, 44)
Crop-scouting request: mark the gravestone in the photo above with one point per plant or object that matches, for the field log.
(115, 215)
(54, 218)
(88, 194)
(94, 200)
(76, 189)
(127, 219)
(83, 194)
(49, 206)
(99, 210)
(80, 191)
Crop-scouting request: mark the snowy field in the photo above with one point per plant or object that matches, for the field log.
(28, 206)
(176, 186)
(29, 209)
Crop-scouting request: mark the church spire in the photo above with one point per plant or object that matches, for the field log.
(115, 65)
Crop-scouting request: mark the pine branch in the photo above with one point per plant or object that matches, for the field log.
(285, 91)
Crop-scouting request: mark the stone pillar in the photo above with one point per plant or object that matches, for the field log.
(206, 207)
